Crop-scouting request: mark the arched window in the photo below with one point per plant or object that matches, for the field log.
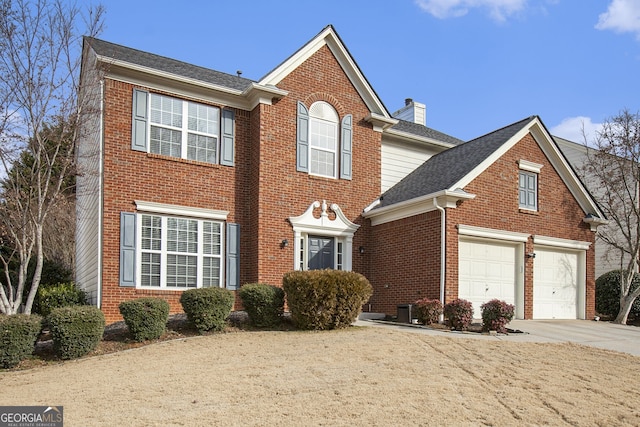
(323, 139)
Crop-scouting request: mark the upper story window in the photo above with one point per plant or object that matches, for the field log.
(324, 142)
(528, 185)
(184, 129)
(323, 139)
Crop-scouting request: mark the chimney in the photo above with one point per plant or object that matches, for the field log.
(412, 111)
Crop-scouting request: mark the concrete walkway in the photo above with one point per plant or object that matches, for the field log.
(605, 335)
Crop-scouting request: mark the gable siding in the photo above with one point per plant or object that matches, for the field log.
(400, 159)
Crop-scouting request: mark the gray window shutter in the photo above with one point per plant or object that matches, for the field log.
(139, 126)
(302, 162)
(233, 256)
(127, 249)
(346, 145)
(227, 149)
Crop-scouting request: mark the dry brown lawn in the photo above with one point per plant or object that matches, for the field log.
(358, 376)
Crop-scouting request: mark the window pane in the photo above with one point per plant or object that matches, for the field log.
(211, 272)
(182, 235)
(322, 162)
(201, 148)
(165, 141)
(150, 268)
(151, 232)
(203, 118)
(166, 111)
(182, 271)
(211, 238)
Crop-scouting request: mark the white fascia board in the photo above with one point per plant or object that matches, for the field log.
(329, 38)
(167, 209)
(561, 243)
(419, 205)
(193, 88)
(415, 138)
(562, 167)
(380, 122)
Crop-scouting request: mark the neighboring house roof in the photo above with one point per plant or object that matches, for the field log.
(445, 169)
(167, 65)
(425, 132)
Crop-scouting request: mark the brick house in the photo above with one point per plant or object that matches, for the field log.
(188, 177)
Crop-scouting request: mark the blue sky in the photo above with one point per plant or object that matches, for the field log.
(478, 65)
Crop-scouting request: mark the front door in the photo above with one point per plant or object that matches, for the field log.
(321, 252)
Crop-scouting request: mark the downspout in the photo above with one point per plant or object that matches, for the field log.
(443, 257)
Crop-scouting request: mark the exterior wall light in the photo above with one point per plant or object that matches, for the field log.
(284, 243)
(361, 249)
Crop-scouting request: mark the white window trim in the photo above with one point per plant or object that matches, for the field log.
(336, 150)
(163, 254)
(177, 210)
(184, 130)
(529, 166)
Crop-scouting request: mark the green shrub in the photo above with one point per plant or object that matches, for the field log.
(18, 336)
(428, 310)
(496, 314)
(146, 318)
(459, 314)
(75, 330)
(608, 294)
(58, 295)
(325, 299)
(263, 303)
(207, 308)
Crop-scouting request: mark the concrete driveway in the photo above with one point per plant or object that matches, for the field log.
(606, 335)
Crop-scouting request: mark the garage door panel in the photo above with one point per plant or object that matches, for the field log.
(555, 284)
(486, 271)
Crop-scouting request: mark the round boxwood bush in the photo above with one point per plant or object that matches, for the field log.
(263, 303)
(496, 314)
(608, 294)
(459, 314)
(18, 336)
(325, 299)
(207, 308)
(146, 318)
(49, 297)
(428, 310)
(76, 330)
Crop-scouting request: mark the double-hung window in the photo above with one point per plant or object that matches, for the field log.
(179, 253)
(183, 129)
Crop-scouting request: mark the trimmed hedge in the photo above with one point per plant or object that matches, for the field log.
(428, 310)
(59, 295)
(146, 318)
(459, 314)
(325, 299)
(263, 303)
(75, 330)
(608, 294)
(18, 336)
(207, 308)
(496, 314)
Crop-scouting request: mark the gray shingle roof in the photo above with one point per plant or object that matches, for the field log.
(423, 131)
(443, 170)
(168, 65)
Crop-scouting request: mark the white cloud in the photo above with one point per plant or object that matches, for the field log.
(499, 10)
(622, 16)
(572, 128)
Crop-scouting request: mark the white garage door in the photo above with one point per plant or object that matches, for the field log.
(487, 270)
(555, 284)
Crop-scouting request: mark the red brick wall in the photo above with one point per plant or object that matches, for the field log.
(261, 191)
(495, 206)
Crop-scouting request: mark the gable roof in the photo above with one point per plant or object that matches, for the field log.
(446, 174)
(329, 37)
(445, 169)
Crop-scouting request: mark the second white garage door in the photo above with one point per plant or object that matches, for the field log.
(555, 284)
(487, 270)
